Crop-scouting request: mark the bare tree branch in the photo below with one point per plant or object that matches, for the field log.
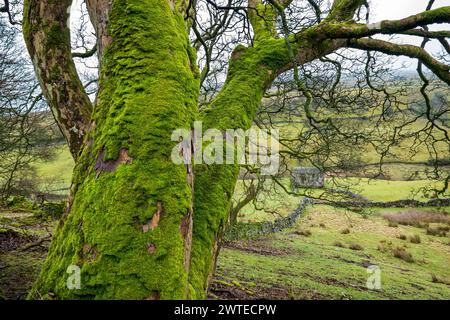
(6, 9)
(86, 54)
(427, 34)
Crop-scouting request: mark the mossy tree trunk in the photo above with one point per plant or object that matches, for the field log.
(137, 225)
(129, 217)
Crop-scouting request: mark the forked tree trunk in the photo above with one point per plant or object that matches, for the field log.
(137, 225)
(128, 225)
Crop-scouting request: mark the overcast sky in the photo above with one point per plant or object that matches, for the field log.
(395, 9)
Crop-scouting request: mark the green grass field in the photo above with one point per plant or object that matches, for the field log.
(289, 265)
(55, 174)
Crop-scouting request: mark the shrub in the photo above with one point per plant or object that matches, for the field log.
(416, 218)
(393, 224)
(398, 252)
(355, 246)
(383, 247)
(305, 233)
(19, 203)
(339, 244)
(436, 279)
(438, 232)
(414, 239)
(402, 254)
(52, 210)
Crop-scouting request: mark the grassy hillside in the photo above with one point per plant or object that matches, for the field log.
(324, 256)
(318, 259)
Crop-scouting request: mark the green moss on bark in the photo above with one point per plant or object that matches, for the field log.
(263, 19)
(251, 71)
(343, 10)
(129, 203)
(124, 226)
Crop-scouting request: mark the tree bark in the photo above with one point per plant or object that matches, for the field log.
(251, 72)
(47, 36)
(129, 218)
(137, 225)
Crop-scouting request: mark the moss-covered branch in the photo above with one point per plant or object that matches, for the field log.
(440, 69)
(344, 10)
(427, 34)
(47, 35)
(262, 17)
(251, 72)
(333, 30)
